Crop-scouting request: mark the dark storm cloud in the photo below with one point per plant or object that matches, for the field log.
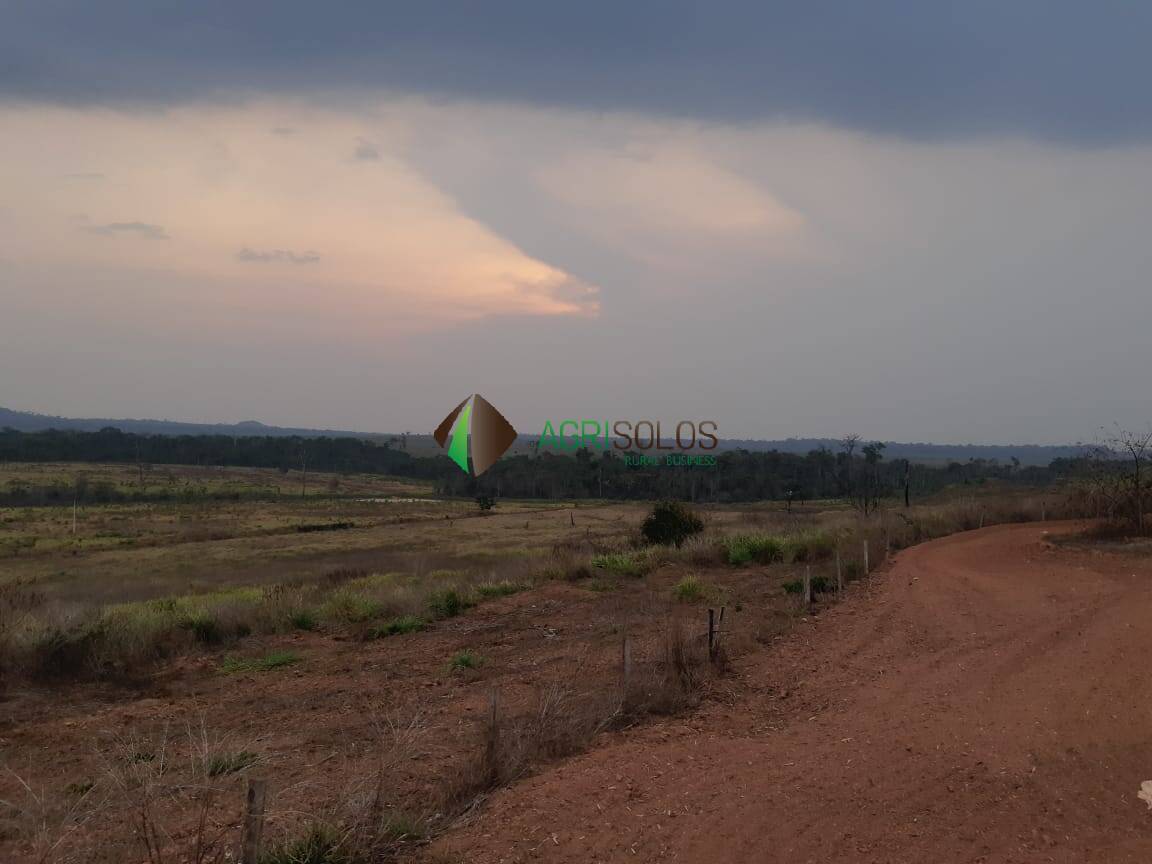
(1064, 69)
(139, 229)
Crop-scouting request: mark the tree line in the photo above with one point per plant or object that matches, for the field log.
(856, 470)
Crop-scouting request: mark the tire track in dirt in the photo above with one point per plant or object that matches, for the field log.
(985, 699)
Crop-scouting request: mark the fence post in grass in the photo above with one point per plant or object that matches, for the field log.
(253, 820)
(866, 556)
(839, 573)
(711, 633)
(807, 584)
(625, 664)
(981, 519)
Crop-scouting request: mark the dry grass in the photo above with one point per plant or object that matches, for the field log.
(445, 568)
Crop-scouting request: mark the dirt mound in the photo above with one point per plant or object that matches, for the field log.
(986, 699)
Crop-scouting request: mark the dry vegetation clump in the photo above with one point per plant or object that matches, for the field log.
(47, 641)
(43, 639)
(160, 805)
(568, 712)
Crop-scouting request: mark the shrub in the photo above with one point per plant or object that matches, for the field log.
(620, 564)
(276, 659)
(565, 566)
(204, 627)
(303, 619)
(398, 626)
(761, 548)
(351, 606)
(312, 527)
(66, 651)
(820, 585)
(465, 660)
(321, 845)
(809, 546)
(447, 603)
(446, 574)
(689, 589)
(670, 523)
(401, 826)
(230, 763)
(490, 590)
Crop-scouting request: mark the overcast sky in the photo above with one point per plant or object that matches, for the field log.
(912, 220)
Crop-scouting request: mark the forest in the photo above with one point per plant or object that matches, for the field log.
(855, 470)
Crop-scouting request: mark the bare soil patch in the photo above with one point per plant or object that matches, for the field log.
(986, 699)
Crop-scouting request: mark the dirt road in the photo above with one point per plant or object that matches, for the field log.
(988, 698)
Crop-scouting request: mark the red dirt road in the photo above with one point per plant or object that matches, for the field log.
(988, 698)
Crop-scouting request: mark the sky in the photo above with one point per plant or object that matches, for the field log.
(916, 221)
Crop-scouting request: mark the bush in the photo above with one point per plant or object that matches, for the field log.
(620, 564)
(274, 660)
(447, 603)
(348, 605)
(465, 660)
(820, 585)
(491, 590)
(230, 763)
(310, 528)
(65, 651)
(398, 626)
(689, 589)
(321, 845)
(671, 523)
(761, 548)
(809, 546)
(303, 619)
(204, 627)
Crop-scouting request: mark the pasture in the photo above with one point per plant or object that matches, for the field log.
(382, 658)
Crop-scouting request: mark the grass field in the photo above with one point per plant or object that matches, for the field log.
(163, 651)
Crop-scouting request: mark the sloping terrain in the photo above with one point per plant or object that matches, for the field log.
(988, 698)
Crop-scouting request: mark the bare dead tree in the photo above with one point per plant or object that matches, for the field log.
(1134, 449)
(848, 445)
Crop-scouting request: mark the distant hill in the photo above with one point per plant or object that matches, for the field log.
(26, 421)
(423, 445)
(1027, 454)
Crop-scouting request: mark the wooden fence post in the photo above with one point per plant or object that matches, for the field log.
(839, 573)
(807, 584)
(866, 556)
(625, 664)
(253, 820)
(711, 633)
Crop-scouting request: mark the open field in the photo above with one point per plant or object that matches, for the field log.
(355, 666)
(198, 481)
(984, 699)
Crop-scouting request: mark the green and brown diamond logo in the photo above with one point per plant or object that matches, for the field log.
(475, 422)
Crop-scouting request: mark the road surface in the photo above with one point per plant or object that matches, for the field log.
(987, 698)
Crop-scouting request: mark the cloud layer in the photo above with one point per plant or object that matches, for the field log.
(781, 278)
(139, 229)
(1058, 69)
